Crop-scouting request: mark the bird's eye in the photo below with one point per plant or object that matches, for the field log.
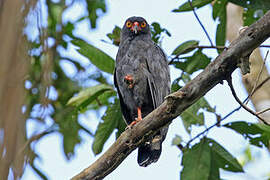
(143, 24)
(129, 24)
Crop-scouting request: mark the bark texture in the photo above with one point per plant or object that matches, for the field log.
(13, 71)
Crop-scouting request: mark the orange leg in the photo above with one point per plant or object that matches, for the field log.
(139, 114)
(139, 118)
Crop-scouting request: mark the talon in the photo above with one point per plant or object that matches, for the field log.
(138, 119)
(131, 124)
(129, 80)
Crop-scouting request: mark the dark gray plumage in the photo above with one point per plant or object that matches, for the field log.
(142, 80)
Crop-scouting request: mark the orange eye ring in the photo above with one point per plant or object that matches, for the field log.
(129, 24)
(143, 24)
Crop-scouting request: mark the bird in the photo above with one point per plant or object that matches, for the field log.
(142, 80)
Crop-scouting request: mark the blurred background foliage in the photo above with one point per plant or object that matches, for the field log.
(60, 87)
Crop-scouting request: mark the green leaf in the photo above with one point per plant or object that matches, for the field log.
(115, 35)
(56, 11)
(111, 120)
(176, 140)
(219, 11)
(252, 15)
(88, 95)
(101, 100)
(193, 63)
(196, 162)
(97, 57)
(223, 158)
(246, 157)
(93, 6)
(253, 4)
(157, 31)
(257, 134)
(121, 126)
(192, 116)
(195, 3)
(205, 105)
(175, 85)
(185, 47)
(214, 172)
(69, 128)
(68, 28)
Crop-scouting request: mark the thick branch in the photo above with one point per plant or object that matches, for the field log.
(176, 103)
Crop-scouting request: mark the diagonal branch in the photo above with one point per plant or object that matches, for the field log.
(177, 102)
(229, 80)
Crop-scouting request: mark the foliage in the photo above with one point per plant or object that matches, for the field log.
(98, 58)
(220, 14)
(111, 120)
(253, 10)
(257, 134)
(193, 115)
(157, 31)
(193, 63)
(204, 159)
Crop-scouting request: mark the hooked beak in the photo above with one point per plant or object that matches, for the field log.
(135, 27)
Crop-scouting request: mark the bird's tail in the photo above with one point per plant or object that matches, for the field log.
(150, 151)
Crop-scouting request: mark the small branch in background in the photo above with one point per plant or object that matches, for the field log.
(36, 137)
(263, 111)
(229, 80)
(200, 47)
(264, 46)
(195, 14)
(210, 47)
(258, 77)
(260, 85)
(210, 127)
(228, 115)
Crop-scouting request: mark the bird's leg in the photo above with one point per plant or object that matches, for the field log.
(129, 80)
(139, 118)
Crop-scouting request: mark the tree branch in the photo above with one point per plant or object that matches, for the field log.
(198, 19)
(177, 102)
(229, 80)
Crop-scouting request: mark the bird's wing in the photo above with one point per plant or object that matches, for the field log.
(159, 84)
(158, 67)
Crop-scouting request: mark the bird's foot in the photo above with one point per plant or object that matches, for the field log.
(129, 80)
(133, 123)
(139, 118)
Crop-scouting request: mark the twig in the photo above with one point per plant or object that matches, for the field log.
(260, 85)
(229, 80)
(195, 14)
(36, 137)
(200, 47)
(229, 114)
(259, 75)
(263, 111)
(265, 46)
(210, 127)
(209, 47)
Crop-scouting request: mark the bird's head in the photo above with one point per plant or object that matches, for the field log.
(135, 26)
